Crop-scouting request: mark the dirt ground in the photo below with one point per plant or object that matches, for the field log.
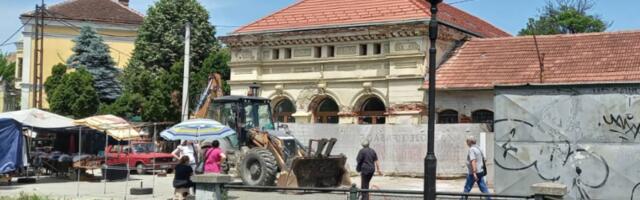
(67, 189)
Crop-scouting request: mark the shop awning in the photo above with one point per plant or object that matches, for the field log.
(37, 118)
(114, 126)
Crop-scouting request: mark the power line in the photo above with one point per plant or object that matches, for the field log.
(14, 34)
(460, 1)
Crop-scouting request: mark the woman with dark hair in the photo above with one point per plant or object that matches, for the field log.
(183, 172)
(213, 158)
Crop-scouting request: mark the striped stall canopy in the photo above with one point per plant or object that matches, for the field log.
(197, 129)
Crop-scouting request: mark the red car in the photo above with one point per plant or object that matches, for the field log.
(140, 157)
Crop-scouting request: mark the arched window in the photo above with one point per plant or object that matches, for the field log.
(448, 117)
(327, 111)
(482, 116)
(283, 111)
(372, 111)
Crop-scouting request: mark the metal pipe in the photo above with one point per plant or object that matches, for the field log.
(153, 192)
(79, 154)
(357, 190)
(430, 161)
(106, 165)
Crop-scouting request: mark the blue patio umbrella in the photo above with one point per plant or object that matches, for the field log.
(197, 129)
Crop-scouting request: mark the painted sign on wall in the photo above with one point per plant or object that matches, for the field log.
(585, 137)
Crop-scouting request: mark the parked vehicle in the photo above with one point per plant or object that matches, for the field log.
(140, 156)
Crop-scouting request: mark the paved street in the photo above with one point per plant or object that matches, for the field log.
(65, 189)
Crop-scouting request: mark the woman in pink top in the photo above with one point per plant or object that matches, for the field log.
(213, 158)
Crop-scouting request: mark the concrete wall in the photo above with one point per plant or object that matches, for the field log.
(582, 136)
(401, 148)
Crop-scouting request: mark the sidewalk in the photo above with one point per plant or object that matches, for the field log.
(66, 189)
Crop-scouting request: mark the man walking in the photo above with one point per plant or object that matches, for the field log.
(367, 165)
(476, 167)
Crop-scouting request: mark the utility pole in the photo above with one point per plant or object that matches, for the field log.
(37, 55)
(430, 161)
(185, 77)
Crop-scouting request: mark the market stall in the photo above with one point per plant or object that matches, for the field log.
(11, 142)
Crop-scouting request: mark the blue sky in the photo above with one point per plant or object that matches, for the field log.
(510, 15)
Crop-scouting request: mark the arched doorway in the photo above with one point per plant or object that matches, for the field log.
(372, 111)
(448, 117)
(326, 111)
(283, 111)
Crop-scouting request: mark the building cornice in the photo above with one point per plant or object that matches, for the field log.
(336, 35)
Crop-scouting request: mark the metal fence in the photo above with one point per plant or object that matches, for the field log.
(354, 193)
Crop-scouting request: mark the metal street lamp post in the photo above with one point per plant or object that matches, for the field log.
(430, 161)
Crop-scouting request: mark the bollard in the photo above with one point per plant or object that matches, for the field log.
(353, 193)
(549, 191)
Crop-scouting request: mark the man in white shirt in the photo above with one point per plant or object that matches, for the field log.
(189, 149)
(475, 165)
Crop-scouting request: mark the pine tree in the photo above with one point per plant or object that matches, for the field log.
(91, 53)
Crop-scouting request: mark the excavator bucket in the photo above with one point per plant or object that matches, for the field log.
(317, 170)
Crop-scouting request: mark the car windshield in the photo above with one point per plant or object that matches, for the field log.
(144, 148)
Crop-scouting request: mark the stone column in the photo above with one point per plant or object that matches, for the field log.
(549, 191)
(210, 186)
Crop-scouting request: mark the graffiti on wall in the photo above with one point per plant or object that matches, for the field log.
(583, 138)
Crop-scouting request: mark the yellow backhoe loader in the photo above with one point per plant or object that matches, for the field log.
(261, 154)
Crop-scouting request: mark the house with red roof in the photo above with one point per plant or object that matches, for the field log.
(465, 82)
(347, 61)
(113, 20)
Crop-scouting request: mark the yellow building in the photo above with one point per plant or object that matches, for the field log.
(113, 20)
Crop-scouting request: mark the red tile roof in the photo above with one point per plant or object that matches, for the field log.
(110, 11)
(309, 14)
(580, 58)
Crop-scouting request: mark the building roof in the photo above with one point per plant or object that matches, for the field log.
(568, 59)
(313, 14)
(110, 11)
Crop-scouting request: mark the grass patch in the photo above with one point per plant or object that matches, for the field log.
(25, 196)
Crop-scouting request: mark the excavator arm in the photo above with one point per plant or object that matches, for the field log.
(213, 90)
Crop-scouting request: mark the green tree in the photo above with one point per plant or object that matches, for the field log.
(7, 69)
(91, 53)
(153, 79)
(216, 62)
(565, 17)
(75, 96)
(57, 72)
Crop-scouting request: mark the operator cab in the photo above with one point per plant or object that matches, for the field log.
(242, 113)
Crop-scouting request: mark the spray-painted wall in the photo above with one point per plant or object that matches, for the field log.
(582, 136)
(400, 148)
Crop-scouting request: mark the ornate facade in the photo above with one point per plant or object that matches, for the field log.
(336, 73)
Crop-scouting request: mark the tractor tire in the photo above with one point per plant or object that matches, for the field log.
(140, 191)
(258, 168)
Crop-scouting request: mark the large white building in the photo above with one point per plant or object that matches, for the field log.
(347, 61)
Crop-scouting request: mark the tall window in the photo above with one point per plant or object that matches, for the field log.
(448, 117)
(327, 111)
(482, 116)
(283, 111)
(19, 69)
(372, 112)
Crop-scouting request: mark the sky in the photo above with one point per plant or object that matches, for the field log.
(228, 15)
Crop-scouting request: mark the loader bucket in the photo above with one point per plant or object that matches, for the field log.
(316, 172)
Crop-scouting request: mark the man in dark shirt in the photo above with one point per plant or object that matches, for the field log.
(367, 165)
